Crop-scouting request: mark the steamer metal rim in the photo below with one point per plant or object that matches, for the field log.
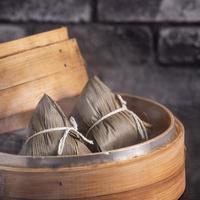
(123, 154)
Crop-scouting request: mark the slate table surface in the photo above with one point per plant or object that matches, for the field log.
(190, 116)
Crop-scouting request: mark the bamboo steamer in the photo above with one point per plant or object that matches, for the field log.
(151, 170)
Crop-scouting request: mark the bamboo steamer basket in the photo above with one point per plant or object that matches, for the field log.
(151, 170)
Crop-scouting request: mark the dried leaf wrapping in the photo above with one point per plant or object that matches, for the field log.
(49, 115)
(116, 131)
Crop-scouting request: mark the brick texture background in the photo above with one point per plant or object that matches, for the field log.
(149, 48)
(144, 47)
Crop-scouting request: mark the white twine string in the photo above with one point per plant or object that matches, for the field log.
(139, 123)
(62, 140)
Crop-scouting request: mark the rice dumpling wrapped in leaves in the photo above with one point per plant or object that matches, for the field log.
(104, 118)
(52, 133)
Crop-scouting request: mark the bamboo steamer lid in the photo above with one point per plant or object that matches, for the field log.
(151, 170)
(43, 63)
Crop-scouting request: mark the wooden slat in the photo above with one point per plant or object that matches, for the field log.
(66, 83)
(37, 40)
(36, 63)
(22, 98)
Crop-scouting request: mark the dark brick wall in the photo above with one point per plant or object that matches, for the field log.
(145, 47)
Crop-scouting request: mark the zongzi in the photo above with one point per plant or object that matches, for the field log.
(53, 133)
(104, 118)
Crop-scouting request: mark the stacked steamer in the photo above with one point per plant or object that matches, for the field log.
(51, 63)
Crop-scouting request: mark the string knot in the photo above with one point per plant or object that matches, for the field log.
(61, 144)
(64, 137)
(68, 129)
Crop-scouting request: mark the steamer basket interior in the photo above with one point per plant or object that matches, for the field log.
(155, 114)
